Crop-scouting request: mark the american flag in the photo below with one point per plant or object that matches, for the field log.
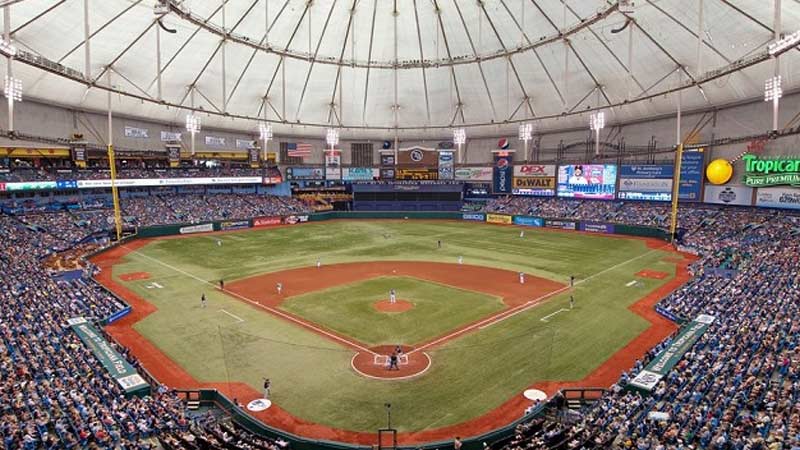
(302, 150)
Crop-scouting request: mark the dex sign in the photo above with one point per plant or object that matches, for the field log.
(771, 171)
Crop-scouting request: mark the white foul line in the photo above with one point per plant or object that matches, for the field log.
(277, 312)
(631, 283)
(545, 318)
(232, 315)
(489, 321)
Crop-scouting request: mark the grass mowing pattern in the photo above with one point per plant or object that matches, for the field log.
(470, 376)
(349, 310)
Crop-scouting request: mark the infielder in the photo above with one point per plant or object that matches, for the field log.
(522, 278)
(279, 287)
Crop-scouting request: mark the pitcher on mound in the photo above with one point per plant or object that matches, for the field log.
(392, 296)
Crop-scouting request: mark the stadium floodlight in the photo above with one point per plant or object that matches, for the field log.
(784, 44)
(192, 123)
(7, 48)
(773, 93)
(459, 138)
(13, 89)
(525, 135)
(332, 137)
(596, 123)
(265, 132)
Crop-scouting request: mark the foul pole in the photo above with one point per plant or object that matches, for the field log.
(113, 166)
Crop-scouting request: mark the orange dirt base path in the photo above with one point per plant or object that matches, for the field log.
(386, 306)
(173, 375)
(134, 276)
(647, 273)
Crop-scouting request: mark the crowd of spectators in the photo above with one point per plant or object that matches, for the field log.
(29, 173)
(738, 386)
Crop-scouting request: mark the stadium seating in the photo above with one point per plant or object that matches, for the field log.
(737, 388)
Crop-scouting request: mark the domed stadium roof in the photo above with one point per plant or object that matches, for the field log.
(421, 66)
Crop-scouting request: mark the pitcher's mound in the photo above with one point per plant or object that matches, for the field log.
(386, 306)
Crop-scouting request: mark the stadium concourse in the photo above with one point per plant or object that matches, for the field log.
(738, 386)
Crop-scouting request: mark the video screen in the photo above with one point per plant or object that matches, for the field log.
(592, 181)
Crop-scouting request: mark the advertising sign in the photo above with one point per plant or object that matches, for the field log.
(597, 227)
(116, 366)
(416, 174)
(244, 144)
(147, 182)
(418, 156)
(504, 219)
(134, 132)
(387, 174)
(646, 182)
(529, 221)
(305, 173)
(387, 159)
(503, 173)
(170, 136)
(592, 181)
(203, 228)
(691, 187)
(174, 155)
(291, 220)
(534, 179)
(266, 221)
(446, 165)
(234, 224)
(214, 141)
(360, 174)
(560, 224)
(28, 186)
(474, 174)
(474, 216)
(729, 195)
(771, 171)
(648, 378)
(333, 166)
(778, 197)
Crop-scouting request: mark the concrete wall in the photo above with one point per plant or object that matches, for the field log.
(741, 120)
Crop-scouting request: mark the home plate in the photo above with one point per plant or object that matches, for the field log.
(534, 395)
(259, 404)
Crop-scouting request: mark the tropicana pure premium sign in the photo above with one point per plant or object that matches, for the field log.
(771, 171)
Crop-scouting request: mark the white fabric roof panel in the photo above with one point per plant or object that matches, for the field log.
(459, 40)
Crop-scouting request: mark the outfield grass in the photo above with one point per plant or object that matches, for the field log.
(470, 376)
(349, 310)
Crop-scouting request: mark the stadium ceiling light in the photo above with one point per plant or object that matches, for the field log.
(773, 93)
(7, 48)
(265, 131)
(785, 43)
(192, 123)
(13, 89)
(772, 89)
(597, 121)
(332, 137)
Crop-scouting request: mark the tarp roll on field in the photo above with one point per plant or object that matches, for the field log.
(113, 362)
(658, 368)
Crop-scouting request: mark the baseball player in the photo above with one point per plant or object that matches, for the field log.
(522, 278)
(392, 296)
(279, 287)
(203, 300)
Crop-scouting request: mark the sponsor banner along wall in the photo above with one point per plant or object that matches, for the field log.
(597, 227)
(267, 221)
(691, 185)
(503, 173)
(529, 221)
(234, 224)
(646, 182)
(499, 218)
(648, 378)
(119, 369)
(534, 179)
(474, 216)
(291, 220)
(202, 228)
(149, 182)
(416, 174)
(560, 224)
(592, 181)
(729, 195)
(474, 173)
(778, 197)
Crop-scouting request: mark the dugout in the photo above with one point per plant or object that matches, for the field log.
(408, 196)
